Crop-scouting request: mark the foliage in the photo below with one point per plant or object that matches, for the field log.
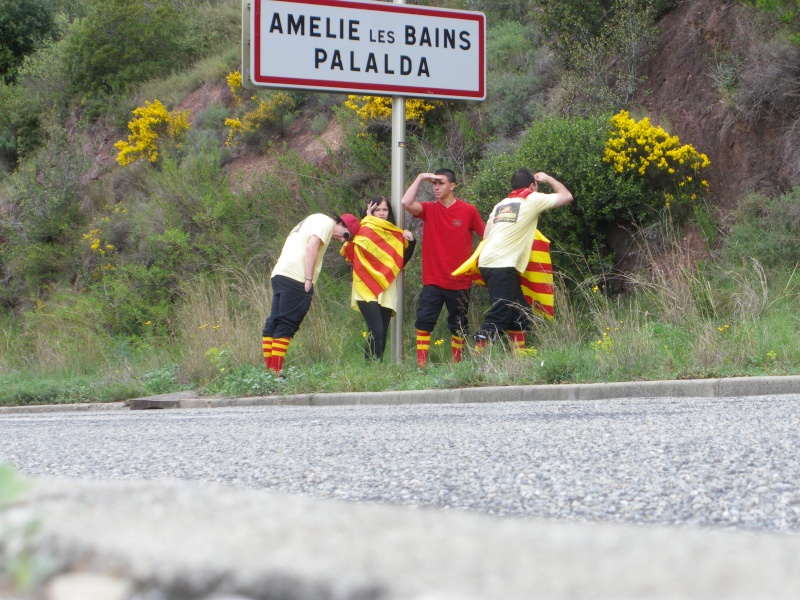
(573, 25)
(625, 40)
(163, 273)
(123, 42)
(517, 76)
(571, 150)
(766, 229)
(502, 10)
(153, 128)
(647, 151)
(257, 117)
(44, 195)
(371, 109)
(24, 26)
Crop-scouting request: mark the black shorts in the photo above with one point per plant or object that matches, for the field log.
(508, 308)
(290, 304)
(431, 300)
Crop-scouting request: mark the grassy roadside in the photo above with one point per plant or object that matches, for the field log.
(690, 324)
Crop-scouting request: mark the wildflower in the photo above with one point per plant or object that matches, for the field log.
(148, 322)
(439, 342)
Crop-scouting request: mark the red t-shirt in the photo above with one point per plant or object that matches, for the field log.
(447, 242)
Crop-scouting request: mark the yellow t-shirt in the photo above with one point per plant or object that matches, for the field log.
(292, 261)
(512, 226)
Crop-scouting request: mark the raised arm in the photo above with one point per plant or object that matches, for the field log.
(409, 200)
(563, 195)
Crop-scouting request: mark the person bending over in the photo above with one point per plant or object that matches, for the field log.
(293, 279)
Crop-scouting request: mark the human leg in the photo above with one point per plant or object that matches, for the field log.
(268, 331)
(376, 329)
(290, 305)
(457, 303)
(520, 320)
(503, 286)
(428, 308)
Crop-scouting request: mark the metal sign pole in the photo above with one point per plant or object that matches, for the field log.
(398, 187)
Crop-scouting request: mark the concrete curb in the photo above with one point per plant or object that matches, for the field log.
(54, 408)
(199, 541)
(694, 388)
(730, 387)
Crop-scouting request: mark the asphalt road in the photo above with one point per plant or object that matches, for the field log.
(730, 463)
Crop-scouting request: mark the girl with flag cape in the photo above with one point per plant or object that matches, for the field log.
(378, 252)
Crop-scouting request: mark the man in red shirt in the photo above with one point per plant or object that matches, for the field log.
(448, 227)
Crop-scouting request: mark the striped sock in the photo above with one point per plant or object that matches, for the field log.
(279, 347)
(456, 347)
(480, 342)
(423, 347)
(266, 346)
(517, 339)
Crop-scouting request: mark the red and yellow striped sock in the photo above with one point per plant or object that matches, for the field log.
(456, 347)
(517, 339)
(423, 347)
(279, 347)
(266, 346)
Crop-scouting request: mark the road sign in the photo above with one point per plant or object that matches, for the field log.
(370, 48)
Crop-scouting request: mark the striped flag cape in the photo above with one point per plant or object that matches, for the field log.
(536, 281)
(377, 256)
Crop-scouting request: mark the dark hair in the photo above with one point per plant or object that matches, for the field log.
(377, 200)
(521, 179)
(450, 174)
(346, 235)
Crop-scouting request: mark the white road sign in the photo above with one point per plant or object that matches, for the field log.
(365, 47)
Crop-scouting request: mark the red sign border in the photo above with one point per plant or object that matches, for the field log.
(336, 86)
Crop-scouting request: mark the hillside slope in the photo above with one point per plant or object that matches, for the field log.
(760, 154)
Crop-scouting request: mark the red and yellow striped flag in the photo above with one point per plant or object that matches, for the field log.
(536, 281)
(377, 256)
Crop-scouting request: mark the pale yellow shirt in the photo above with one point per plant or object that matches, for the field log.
(512, 226)
(292, 261)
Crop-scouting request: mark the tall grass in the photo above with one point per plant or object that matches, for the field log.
(677, 319)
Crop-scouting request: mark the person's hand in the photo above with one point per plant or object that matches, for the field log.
(371, 208)
(540, 176)
(432, 177)
(408, 235)
(309, 284)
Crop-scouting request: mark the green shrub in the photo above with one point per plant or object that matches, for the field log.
(572, 152)
(124, 42)
(602, 70)
(46, 217)
(24, 25)
(766, 229)
(512, 104)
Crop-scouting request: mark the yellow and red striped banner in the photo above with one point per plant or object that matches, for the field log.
(377, 256)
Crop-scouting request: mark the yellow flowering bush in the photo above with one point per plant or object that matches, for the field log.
(648, 151)
(379, 108)
(152, 128)
(256, 115)
(234, 80)
(101, 255)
